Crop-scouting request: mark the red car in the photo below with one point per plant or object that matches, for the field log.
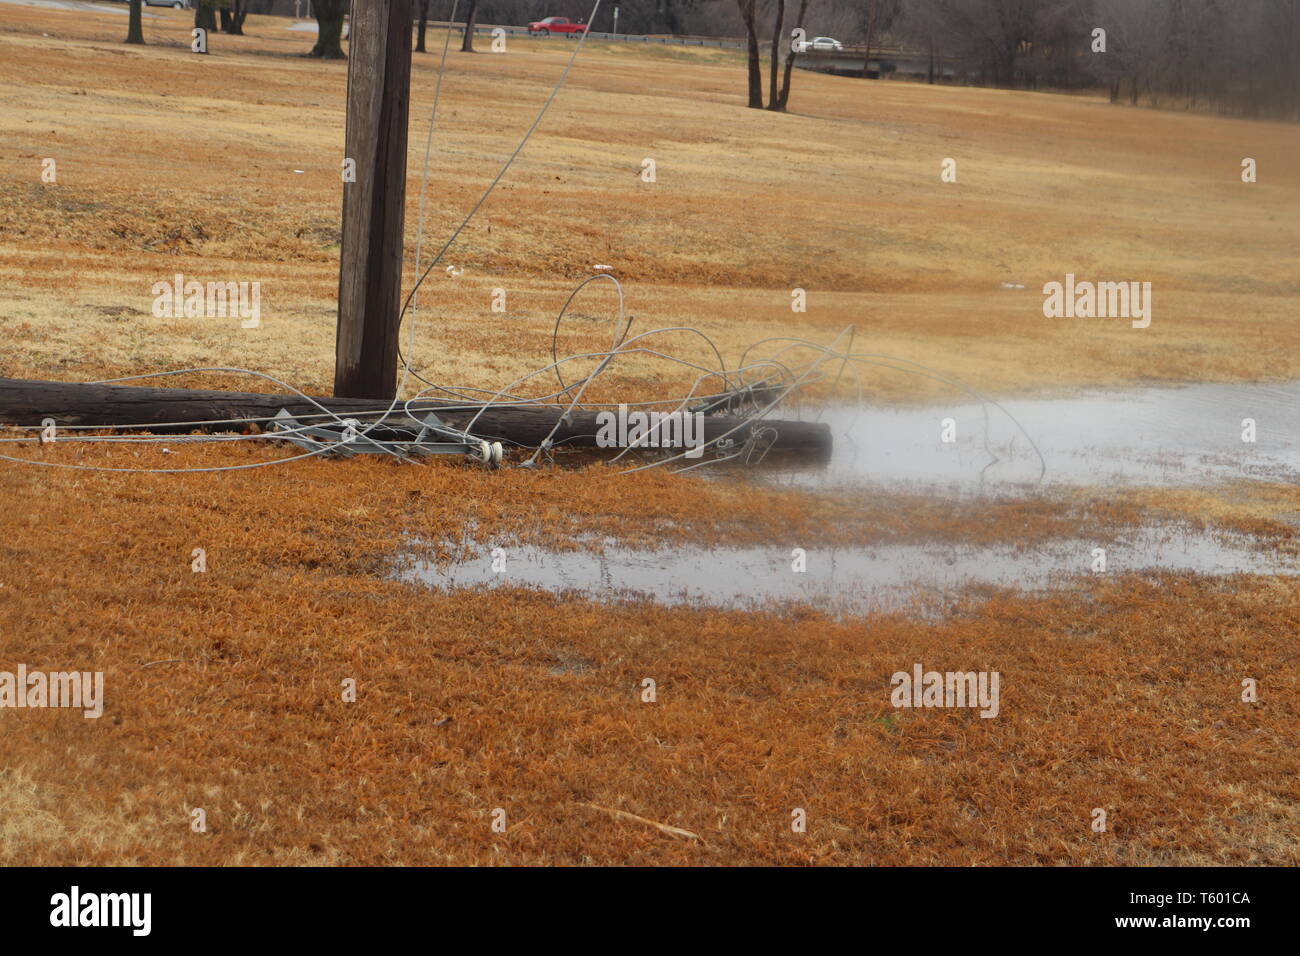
(556, 25)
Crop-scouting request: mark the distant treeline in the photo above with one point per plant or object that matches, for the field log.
(1234, 56)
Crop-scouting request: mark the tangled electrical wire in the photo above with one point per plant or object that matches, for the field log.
(750, 391)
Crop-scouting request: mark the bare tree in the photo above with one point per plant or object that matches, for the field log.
(329, 20)
(135, 24)
(995, 32)
(424, 21)
(749, 14)
(467, 45)
(791, 53)
(877, 17)
(205, 15)
(233, 16)
(1135, 40)
(773, 93)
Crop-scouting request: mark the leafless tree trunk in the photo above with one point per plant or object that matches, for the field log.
(232, 18)
(424, 21)
(789, 60)
(872, 8)
(329, 19)
(773, 91)
(135, 25)
(205, 16)
(467, 46)
(747, 12)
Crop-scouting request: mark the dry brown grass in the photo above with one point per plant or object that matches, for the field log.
(172, 162)
(1123, 695)
(224, 688)
(756, 711)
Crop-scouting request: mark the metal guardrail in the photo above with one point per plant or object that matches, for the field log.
(679, 41)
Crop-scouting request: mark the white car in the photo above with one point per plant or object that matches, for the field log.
(174, 4)
(820, 44)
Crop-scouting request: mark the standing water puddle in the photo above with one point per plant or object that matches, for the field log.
(1160, 437)
(1163, 437)
(889, 577)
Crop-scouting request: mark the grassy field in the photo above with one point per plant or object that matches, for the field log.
(170, 162)
(223, 688)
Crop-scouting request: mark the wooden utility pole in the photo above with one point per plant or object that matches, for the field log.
(374, 203)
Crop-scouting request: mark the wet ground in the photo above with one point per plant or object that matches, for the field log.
(1159, 437)
(858, 580)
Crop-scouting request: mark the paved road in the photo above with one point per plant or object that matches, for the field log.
(77, 6)
(310, 26)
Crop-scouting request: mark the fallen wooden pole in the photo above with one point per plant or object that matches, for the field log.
(31, 402)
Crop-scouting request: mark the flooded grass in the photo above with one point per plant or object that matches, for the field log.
(856, 580)
(1122, 690)
(1158, 437)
